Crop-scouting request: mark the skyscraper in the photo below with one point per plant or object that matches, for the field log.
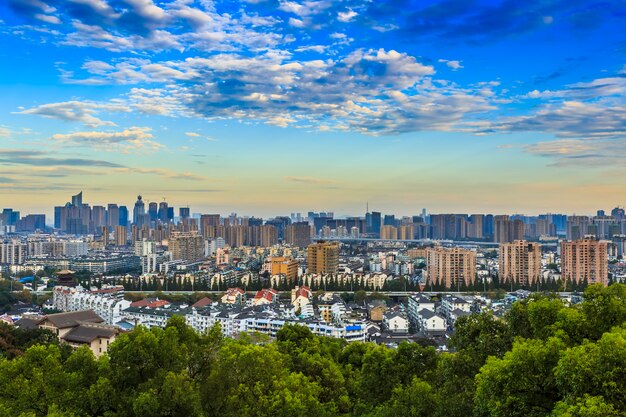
(123, 210)
(113, 216)
(139, 211)
(183, 212)
(153, 211)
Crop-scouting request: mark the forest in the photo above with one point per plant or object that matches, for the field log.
(542, 359)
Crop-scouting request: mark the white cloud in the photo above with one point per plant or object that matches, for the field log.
(454, 65)
(297, 23)
(48, 18)
(346, 16)
(128, 140)
(76, 111)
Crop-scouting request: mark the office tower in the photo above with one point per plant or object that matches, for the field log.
(269, 235)
(123, 210)
(286, 266)
(121, 238)
(388, 232)
(77, 200)
(153, 211)
(298, 234)
(450, 266)
(585, 259)
(183, 213)
(488, 227)
(98, 217)
(389, 220)
(323, 257)
(600, 213)
(162, 214)
(475, 226)
(520, 262)
(139, 211)
(170, 214)
(577, 227)
(113, 216)
(618, 213)
(188, 246)
(10, 217)
(376, 223)
(60, 213)
(31, 223)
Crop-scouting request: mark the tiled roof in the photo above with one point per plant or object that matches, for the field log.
(88, 333)
(73, 318)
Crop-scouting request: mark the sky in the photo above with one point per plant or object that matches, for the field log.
(272, 107)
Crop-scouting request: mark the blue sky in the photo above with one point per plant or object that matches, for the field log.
(267, 107)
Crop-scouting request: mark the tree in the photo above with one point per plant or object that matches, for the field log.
(586, 406)
(596, 369)
(521, 383)
(415, 400)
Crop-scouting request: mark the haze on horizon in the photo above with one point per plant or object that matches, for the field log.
(271, 107)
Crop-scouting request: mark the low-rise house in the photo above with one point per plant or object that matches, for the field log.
(396, 322)
(376, 309)
(301, 297)
(449, 303)
(234, 296)
(78, 328)
(431, 322)
(265, 296)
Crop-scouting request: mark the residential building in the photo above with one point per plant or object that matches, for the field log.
(585, 260)
(323, 258)
(450, 266)
(520, 262)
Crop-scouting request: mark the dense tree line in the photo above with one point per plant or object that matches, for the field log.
(542, 359)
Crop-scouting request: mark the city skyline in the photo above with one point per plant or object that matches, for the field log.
(196, 211)
(268, 108)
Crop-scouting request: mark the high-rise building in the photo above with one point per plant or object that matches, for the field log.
(475, 226)
(98, 217)
(162, 214)
(139, 211)
(376, 223)
(183, 213)
(506, 230)
(188, 246)
(406, 232)
(153, 211)
(298, 234)
(450, 266)
(121, 238)
(577, 227)
(286, 266)
(208, 223)
(520, 262)
(77, 200)
(113, 216)
(388, 232)
(585, 259)
(269, 235)
(323, 257)
(619, 213)
(123, 216)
